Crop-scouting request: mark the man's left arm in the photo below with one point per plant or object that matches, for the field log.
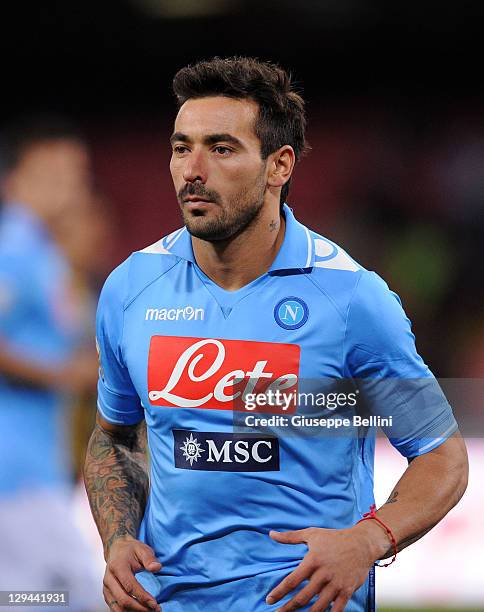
(338, 560)
(432, 485)
(380, 354)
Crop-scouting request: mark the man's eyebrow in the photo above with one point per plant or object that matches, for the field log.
(207, 140)
(179, 137)
(223, 137)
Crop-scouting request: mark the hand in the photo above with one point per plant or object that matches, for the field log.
(122, 591)
(337, 563)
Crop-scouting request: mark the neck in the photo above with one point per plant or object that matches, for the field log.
(235, 262)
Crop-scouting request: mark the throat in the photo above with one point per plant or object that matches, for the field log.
(234, 263)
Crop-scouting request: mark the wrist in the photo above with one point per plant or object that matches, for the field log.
(374, 537)
(116, 540)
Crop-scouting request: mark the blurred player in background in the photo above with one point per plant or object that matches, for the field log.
(242, 297)
(44, 357)
(79, 233)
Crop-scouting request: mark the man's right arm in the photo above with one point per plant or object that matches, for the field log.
(117, 484)
(21, 297)
(77, 375)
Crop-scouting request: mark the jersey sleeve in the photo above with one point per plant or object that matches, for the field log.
(118, 401)
(380, 354)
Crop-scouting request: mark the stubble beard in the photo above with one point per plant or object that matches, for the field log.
(229, 219)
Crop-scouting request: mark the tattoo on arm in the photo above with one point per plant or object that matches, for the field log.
(117, 482)
(411, 539)
(393, 498)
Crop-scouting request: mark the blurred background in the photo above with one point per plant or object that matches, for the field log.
(395, 99)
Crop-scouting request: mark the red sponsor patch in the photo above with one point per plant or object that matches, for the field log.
(220, 374)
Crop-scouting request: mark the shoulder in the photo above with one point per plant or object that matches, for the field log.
(329, 255)
(138, 271)
(348, 283)
(334, 271)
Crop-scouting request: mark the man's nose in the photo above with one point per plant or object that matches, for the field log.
(195, 168)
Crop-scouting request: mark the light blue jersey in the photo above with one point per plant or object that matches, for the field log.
(38, 324)
(186, 355)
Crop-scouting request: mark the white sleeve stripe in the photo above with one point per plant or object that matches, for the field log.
(437, 440)
(105, 416)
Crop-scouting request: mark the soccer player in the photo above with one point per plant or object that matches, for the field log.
(45, 175)
(244, 298)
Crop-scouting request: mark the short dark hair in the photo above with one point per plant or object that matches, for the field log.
(281, 119)
(25, 132)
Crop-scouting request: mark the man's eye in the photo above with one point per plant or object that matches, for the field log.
(179, 149)
(221, 150)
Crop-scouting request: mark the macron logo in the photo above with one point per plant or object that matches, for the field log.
(188, 313)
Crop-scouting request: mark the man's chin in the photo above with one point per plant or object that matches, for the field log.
(200, 228)
(216, 226)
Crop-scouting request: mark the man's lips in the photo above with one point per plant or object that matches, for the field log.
(192, 202)
(194, 198)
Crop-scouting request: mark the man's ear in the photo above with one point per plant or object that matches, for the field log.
(281, 166)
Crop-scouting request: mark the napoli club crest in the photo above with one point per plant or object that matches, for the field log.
(291, 313)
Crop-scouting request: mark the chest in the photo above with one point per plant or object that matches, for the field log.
(187, 347)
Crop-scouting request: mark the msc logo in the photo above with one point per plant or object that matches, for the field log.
(225, 452)
(188, 313)
(291, 313)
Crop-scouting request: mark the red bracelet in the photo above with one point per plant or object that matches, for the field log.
(372, 515)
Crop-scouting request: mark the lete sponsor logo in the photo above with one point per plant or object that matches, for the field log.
(218, 374)
(225, 452)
